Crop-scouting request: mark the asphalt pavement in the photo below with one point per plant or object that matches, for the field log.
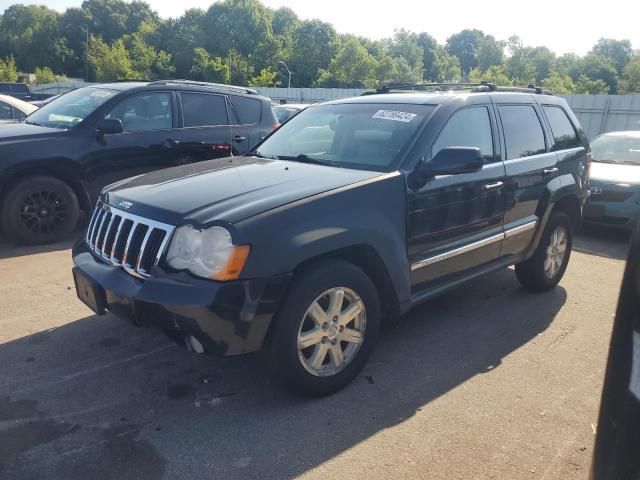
(487, 381)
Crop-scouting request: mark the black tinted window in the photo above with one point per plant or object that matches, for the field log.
(248, 109)
(564, 135)
(149, 111)
(470, 127)
(522, 130)
(201, 109)
(5, 111)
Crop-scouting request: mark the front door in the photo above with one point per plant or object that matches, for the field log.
(149, 140)
(529, 165)
(455, 221)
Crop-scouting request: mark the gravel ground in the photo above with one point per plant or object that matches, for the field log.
(488, 381)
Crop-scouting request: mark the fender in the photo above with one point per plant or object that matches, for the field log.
(371, 213)
(557, 189)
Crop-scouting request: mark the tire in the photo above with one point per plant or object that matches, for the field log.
(546, 267)
(315, 287)
(39, 210)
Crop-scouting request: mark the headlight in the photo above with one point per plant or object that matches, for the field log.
(207, 253)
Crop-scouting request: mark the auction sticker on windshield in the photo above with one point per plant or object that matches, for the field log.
(394, 115)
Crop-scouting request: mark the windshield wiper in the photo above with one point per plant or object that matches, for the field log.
(302, 158)
(260, 155)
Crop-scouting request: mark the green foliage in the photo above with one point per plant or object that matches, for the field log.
(558, 83)
(465, 45)
(46, 75)
(8, 70)
(630, 80)
(266, 78)
(234, 39)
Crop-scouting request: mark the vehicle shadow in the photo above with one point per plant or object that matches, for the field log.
(100, 399)
(601, 241)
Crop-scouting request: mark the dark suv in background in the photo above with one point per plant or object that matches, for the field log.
(352, 211)
(55, 163)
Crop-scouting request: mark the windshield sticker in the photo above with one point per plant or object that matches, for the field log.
(394, 115)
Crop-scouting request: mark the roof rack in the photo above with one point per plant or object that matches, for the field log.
(446, 87)
(193, 83)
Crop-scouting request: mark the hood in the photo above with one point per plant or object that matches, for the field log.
(615, 173)
(24, 131)
(227, 189)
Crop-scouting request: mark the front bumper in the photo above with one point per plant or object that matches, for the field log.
(607, 210)
(227, 318)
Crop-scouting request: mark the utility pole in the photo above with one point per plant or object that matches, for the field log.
(86, 65)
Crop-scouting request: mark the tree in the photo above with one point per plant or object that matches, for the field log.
(588, 86)
(630, 80)
(490, 53)
(465, 45)
(519, 65)
(109, 63)
(73, 27)
(209, 69)
(146, 61)
(108, 19)
(598, 67)
(240, 25)
(494, 74)
(447, 67)
(179, 38)
(405, 45)
(266, 78)
(314, 45)
(45, 75)
(240, 70)
(618, 51)
(352, 66)
(429, 47)
(284, 22)
(8, 70)
(558, 83)
(568, 64)
(543, 60)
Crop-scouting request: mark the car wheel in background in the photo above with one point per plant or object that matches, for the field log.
(39, 210)
(546, 267)
(326, 329)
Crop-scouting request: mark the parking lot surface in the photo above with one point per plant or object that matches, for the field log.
(488, 381)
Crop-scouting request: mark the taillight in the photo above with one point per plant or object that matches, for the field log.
(275, 126)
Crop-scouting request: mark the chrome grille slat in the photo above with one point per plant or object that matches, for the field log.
(145, 241)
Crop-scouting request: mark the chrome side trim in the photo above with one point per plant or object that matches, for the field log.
(458, 251)
(520, 229)
(475, 245)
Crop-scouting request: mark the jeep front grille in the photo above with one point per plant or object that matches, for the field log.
(125, 240)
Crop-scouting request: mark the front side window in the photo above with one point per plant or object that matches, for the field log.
(204, 110)
(469, 127)
(5, 111)
(564, 135)
(149, 111)
(71, 108)
(522, 131)
(352, 135)
(616, 148)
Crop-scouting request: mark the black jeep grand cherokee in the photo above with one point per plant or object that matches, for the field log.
(354, 210)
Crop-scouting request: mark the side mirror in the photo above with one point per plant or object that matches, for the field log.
(109, 126)
(453, 161)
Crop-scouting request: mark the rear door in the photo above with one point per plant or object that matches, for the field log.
(455, 221)
(530, 165)
(248, 112)
(207, 127)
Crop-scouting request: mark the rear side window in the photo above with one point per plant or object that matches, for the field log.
(201, 110)
(249, 110)
(564, 135)
(522, 131)
(5, 111)
(469, 127)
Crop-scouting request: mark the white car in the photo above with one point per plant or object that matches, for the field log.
(13, 110)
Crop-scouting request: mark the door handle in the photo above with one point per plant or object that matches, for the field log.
(548, 171)
(239, 138)
(492, 186)
(170, 143)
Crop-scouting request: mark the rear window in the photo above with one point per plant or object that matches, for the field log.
(522, 131)
(564, 135)
(14, 87)
(201, 109)
(249, 110)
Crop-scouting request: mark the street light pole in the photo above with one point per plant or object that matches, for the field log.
(288, 71)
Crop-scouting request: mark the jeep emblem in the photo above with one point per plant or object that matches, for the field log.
(126, 204)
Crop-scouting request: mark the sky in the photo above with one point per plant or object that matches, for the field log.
(563, 26)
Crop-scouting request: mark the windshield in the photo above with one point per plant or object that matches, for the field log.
(352, 135)
(616, 149)
(72, 108)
